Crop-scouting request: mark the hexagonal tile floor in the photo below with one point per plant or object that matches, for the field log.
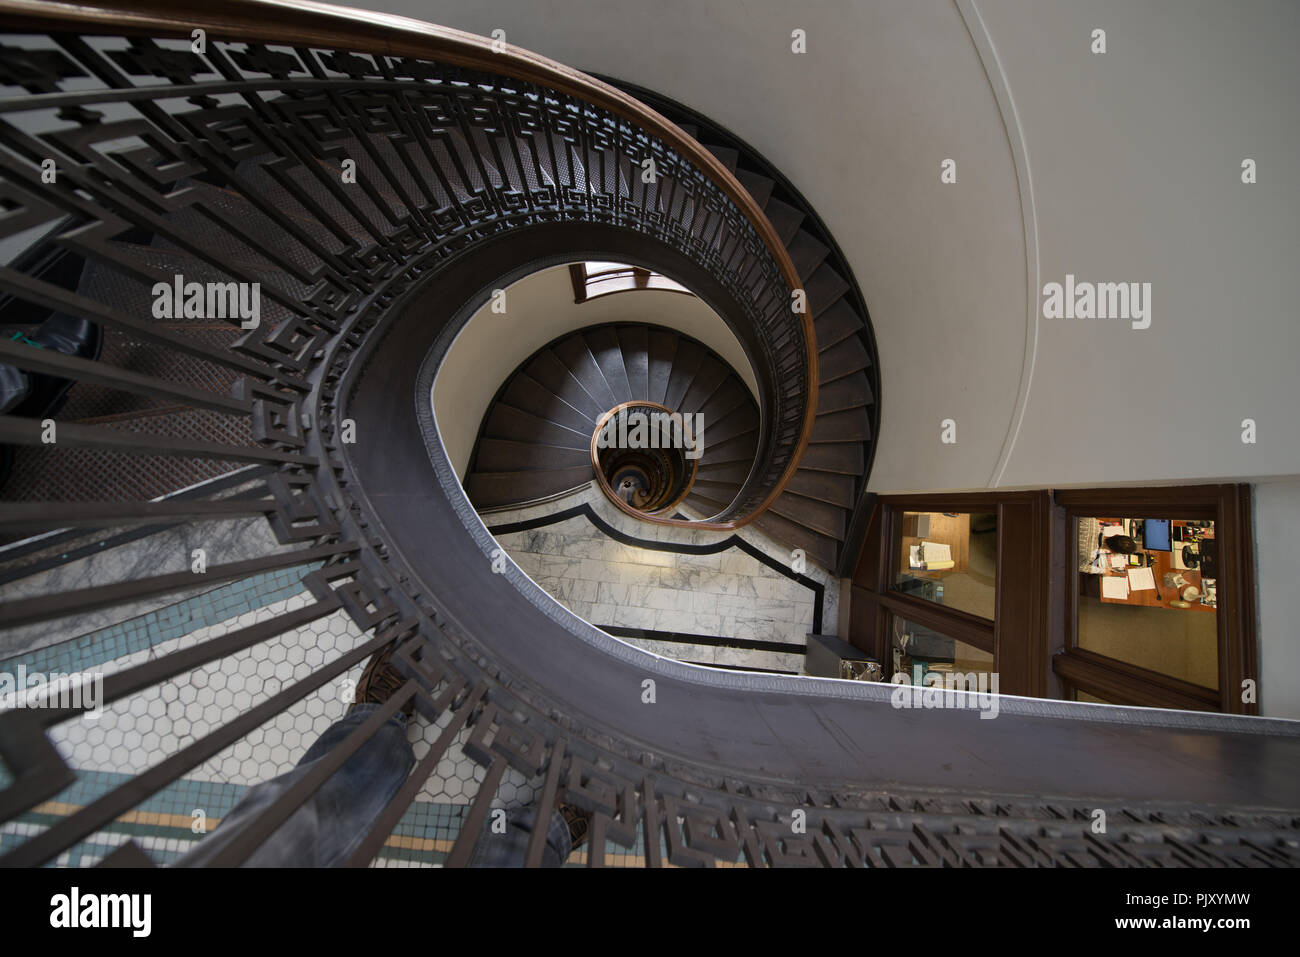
(136, 733)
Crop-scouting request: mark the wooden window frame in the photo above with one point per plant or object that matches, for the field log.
(639, 278)
(1017, 637)
(1076, 669)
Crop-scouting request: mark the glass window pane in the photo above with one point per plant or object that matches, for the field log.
(916, 650)
(595, 268)
(1148, 594)
(621, 282)
(657, 281)
(949, 559)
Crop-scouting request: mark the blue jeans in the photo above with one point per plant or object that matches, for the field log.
(328, 828)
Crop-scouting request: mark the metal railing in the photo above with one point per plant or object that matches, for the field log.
(339, 162)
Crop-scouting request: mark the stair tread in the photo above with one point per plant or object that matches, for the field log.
(636, 359)
(706, 503)
(820, 548)
(507, 422)
(507, 455)
(825, 287)
(492, 489)
(830, 487)
(707, 380)
(724, 472)
(687, 361)
(729, 397)
(811, 513)
(757, 185)
(577, 382)
(851, 425)
(726, 155)
(663, 347)
(738, 449)
(741, 420)
(836, 324)
(841, 359)
(719, 488)
(785, 219)
(840, 458)
(807, 253)
(847, 392)
(525, 392)
(608, 353)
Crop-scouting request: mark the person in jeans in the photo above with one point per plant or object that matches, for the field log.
(331, 824)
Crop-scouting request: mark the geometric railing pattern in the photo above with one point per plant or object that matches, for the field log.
(331, 182)
(340, 182)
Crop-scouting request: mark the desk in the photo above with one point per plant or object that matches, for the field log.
(1163, 594)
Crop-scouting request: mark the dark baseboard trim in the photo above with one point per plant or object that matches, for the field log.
(748, 644)
(767, 671)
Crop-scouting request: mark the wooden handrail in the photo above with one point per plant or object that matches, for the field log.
(302, 22)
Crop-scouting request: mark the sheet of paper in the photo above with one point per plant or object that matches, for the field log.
(914, 557)
(1113, 586)
(935, 552)
(1141, 579)
(1118, 561)
(1110, 530)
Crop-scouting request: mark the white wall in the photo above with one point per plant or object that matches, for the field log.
(1134, 157)
(540, 308)
(1277, 564)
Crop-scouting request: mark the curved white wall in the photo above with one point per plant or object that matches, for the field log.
(1135, 157)
(540, 308)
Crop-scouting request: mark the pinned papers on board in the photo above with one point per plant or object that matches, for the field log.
(1115, 586)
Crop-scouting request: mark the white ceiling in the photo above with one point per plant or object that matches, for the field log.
(1122, 166)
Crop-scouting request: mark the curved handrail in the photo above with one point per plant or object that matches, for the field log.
(716, 768)
(305, 22)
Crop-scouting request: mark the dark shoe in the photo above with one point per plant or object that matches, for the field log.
(63, 334)
(37, 396)
(579, 822)
(14, 386)
(380, 681)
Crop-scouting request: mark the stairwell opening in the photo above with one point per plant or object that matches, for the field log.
(645, 455)
(568, 509)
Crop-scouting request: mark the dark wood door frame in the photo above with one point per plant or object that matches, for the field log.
(1033, 636)
(1229, 507)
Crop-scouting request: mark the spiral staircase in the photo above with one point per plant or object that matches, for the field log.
(536, 437)
(378, 179)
